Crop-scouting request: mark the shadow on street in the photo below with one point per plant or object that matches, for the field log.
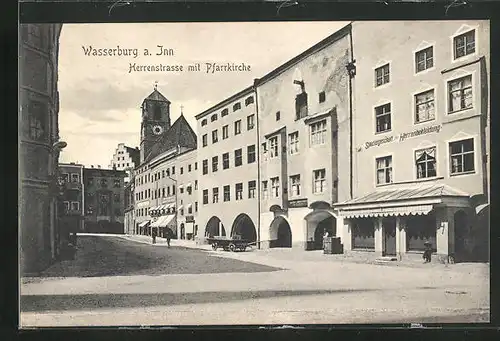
(34, 303)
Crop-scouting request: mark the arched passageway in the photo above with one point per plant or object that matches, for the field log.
(319, 222)
(281, 233)
(244, 227)
(214, 228)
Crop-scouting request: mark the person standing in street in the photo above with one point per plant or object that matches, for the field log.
(153, 234)
(169, 236)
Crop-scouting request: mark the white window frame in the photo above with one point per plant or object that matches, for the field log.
(320, 181)
(320, 135)
(455, 76)
(436, 166)
(295, 186)
(238, 193)
(464, 29)
(293, 143)
(477, 149)
(374, 115)
(237, 123)
(275, 187)
(374, 73)
(215, 195)
(415, 94)
(250, 122)
(421, 47)
(252, 190)
(77, 206)
(225, 132)
(376, 169)
(273, 146)
(265, 189)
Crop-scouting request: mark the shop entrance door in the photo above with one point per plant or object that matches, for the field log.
(389, 228)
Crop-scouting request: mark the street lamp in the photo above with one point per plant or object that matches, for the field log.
(176, 207)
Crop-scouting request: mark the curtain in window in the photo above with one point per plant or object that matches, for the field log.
(420, 155)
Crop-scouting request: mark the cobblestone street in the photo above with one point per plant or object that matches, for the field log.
(183, 286)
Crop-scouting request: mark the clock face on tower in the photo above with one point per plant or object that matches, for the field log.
(157, 130)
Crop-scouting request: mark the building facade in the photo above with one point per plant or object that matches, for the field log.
(168, 161)
(187, 195)
(129, 203)
(421, 141)
(125, 159)
(104, 192)
(228, 168)
(303, 109)
(71, 202)
(39, 145)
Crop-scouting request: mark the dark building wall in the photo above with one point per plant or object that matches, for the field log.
(38, 131)
(104, 193)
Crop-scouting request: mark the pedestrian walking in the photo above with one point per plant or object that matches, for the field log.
(169, 236)
(428, 252)
(153, 234)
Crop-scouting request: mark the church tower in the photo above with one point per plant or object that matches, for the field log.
(155, 120)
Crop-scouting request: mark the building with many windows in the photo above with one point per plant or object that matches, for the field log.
(71, 201)
(168, 162)
(39, 145)
(104, 191)
(303, 111)
(228, 175)
(126, 159)
(421, 140)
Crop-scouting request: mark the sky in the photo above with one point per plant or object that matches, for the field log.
(100, 99)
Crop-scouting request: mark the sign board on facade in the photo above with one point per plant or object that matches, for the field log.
(297, 203)
(403, 136)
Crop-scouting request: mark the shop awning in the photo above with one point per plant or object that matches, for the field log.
(155, 223)
(180, 207)
(386, 211)
(165, 220)
(188, 185)
(412, 200)
(144, 223)
(180, 186)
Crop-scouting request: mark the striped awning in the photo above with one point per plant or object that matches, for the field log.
(144, 223)
(386, 211)
(164, 220)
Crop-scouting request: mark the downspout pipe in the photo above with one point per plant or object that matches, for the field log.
(255, 84)
(351, 69)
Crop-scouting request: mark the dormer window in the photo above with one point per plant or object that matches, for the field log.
(204, 122)
(224, 112)
(213, 118)
(249, 101)
(237, 106)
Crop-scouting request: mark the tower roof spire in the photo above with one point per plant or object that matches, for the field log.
(156, 85)
(182, 107)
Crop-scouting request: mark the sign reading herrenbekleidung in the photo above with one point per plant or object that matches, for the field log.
(403, 136)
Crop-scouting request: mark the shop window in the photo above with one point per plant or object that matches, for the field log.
(425, 160)
(363, 234)
(295, 185)
(383, 118)
(460, 94)
(419, 230)
(462, 156)
(424, 59)
(424, 106)
(382, 75)
(215, 195)
(384, 170)
(464, 44)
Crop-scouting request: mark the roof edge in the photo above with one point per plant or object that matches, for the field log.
(224, 102)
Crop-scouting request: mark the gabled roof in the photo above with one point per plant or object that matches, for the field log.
(135, 155)
(157, 96)
(180, 134)
(428, 191)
